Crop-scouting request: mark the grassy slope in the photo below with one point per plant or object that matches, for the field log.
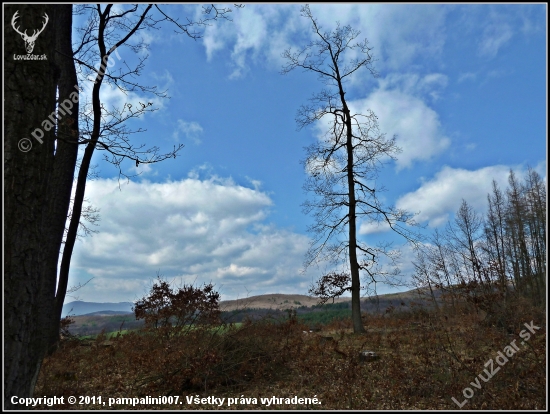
(425, 361)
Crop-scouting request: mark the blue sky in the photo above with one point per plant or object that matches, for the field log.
(462, 86)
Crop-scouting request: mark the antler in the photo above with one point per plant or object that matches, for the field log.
(25, 35)
(34, 34)
(29, 40)
(13, 19)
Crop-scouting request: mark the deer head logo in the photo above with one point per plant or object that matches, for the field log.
(29, 40)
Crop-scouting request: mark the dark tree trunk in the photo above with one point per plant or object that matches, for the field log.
(65, 155)
(30, 99)
(35, 196)
(352, 217)
(353, 263)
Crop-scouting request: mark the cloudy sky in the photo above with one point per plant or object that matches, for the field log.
(463, 87)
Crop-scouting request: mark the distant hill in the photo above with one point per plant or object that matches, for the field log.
(108, 313)
(83, 308)
(91, 318)
(275, 301)
(281, 302)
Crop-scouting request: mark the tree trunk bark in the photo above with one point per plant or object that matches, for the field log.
(353, 263)
(30, 99)
(65, 155)
(36, 197)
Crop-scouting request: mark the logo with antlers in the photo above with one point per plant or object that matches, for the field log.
(29, 40)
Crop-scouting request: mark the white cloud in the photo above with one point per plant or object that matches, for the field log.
(399, 104)
(403, 35)
(251, 36)
(467, 76)
(494, 26)
(191, 130)
(494, 36)
(143, 169)
(255, 32)
(438, 199)
(417, 126)
(213, 41)
(427, 86)
(400, 35)
(191, 231)
(122, 104)
(373, 228)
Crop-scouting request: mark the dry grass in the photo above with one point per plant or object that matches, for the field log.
(425, 360)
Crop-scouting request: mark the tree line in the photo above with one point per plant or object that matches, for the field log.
(493, 258)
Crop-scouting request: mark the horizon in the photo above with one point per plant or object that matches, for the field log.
(251, 300)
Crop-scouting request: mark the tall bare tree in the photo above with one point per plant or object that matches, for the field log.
(464, 234)
(343, 166)
(103, 128)
(535, 200)
(495, 231)
(100, 132)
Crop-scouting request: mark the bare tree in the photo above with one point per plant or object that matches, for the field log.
(526, 231)
(464, 235)
(107, 23)
(103, 128)
(495, 232)
(492, 262)
(344, 165)
(425, 275)
(535, 200)
(434, 269)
